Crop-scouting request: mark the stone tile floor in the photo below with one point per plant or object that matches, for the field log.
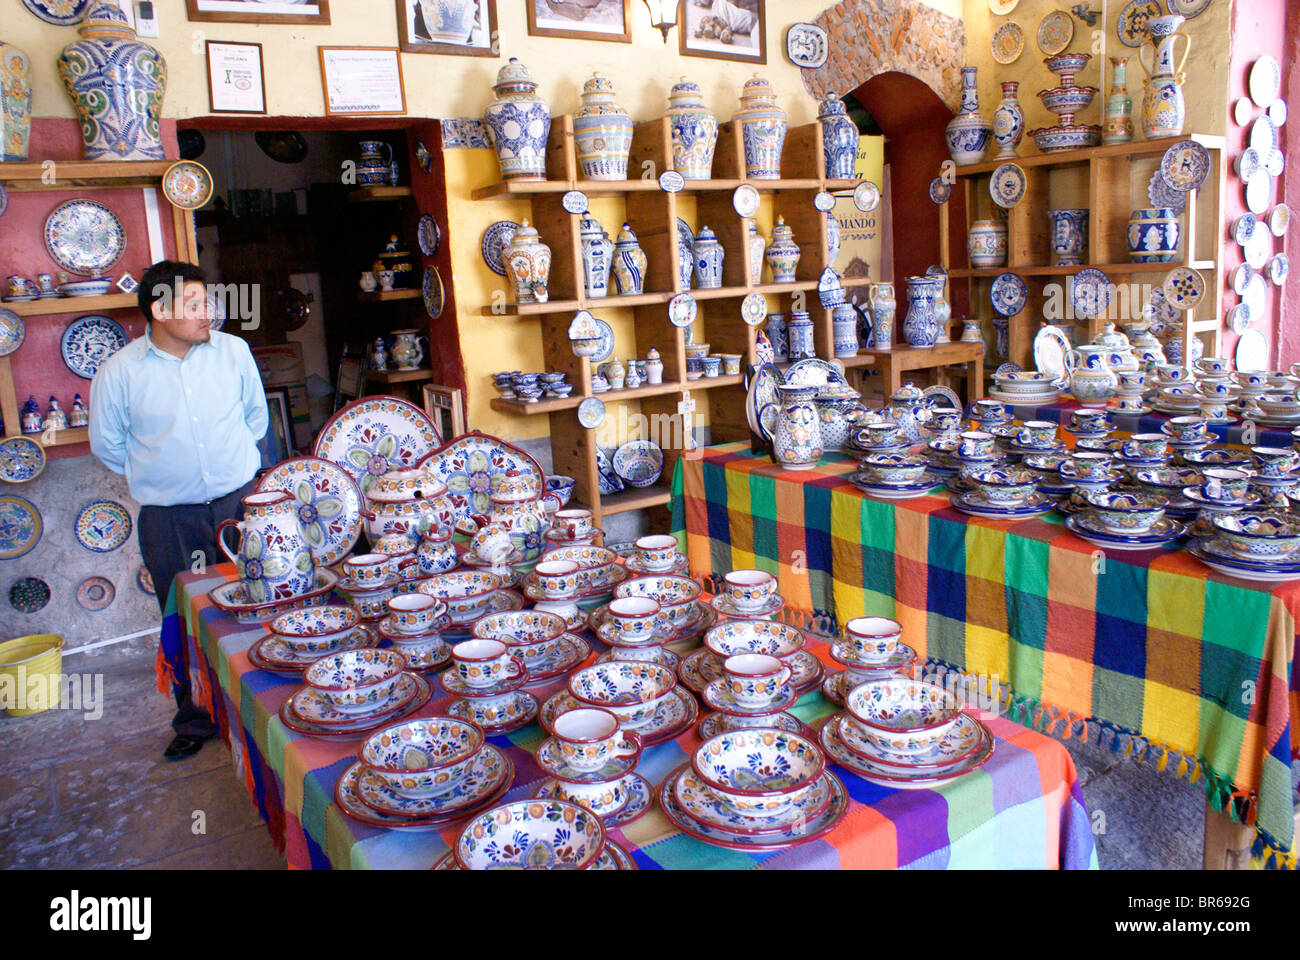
(95, 793)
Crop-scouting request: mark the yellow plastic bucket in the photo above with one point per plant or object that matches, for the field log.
(30, 668)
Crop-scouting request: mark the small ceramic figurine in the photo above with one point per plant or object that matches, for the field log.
(31, 416)
(77, 415)
(55, 418)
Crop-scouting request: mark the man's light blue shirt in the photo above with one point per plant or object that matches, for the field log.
(182, 431)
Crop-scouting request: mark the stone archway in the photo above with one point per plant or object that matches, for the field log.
(870, 37)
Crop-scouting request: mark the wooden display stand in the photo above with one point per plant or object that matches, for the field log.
(74, 174)
(1111, 182)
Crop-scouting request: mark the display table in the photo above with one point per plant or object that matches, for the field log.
(1189, 668)
(1023, 809)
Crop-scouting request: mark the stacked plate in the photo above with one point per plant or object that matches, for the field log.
(895, 476)
(1119, 520)
(1252, 545)
(354, 692)
(538, 638)
(872, 649)
(645, 696)
(301, 637)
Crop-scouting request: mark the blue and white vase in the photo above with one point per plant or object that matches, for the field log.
(708, 260)
(116, 83)
(986, 244)
(518, 124)
(921, 325)
(15, 103)
(780, 337)
(884, 307)
(1008, 121)
(602, 132)
(797, 441)
(629, 263)
(968, 134)
(762, 126)
(839, 138)
(782, 253)
(1153, 235)
(597, 257)
(844, 320)
(800, 332)
(694, 131)
(1069, 235)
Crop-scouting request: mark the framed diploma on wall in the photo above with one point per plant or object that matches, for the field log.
(236, 77)
(362, 81)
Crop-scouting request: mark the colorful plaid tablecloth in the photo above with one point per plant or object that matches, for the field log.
(1150, 651)
(1023, 809)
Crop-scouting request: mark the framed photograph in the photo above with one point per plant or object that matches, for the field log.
(466, 28)
(362, 81)
(236, 77)
(350, 382)
(277, 445)
(260, 11)
(447, 408)
(725, 30)
(580, 19)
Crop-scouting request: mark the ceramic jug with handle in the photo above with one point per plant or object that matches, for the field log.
(407, 349)
(273, 558)
(796, 441)
(1163, 106)
(1092, 381)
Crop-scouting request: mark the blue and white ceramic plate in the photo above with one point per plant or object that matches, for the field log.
(824, 201)
(685, 235)
(1221, 560)
(103, 526)
(84, 236)
(467, 465)
(1183, 288)
(1090, 292)
(429, 235)
(591, 412)
(1189, 8)
(745, 200)
(20, 526)
(13, 331)
(610, 482)
(329, 504)
(896, 491)
(892, 776)
(1085, 526)
(1185, 166)
(753, 309)
(866, 196)
(975, 504)
(89, 341)
(606, 348)
(61, 13)
(762, 391)
(940, 190)
(1160, 194)
(493, 245)
(1007, 185)
(433, 292)
(1009, 294)
(639, 462)
(21, 459)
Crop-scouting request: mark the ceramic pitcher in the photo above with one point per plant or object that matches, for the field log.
(376, 158)
(273, 559)
(797, 440)
(883, 309)
(1092, 380)
(921, 325)
(1163, 106)
(407, 349)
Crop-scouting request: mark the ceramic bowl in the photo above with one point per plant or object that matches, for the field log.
(759, 772)
(676, 595)
(531, 835)
(873, 638)
(1127, 513)
(1167, 481)
(631, 690)
(423, 758)
(561, 486)
(1022, 381)
(558, 578)
(520, 627)
(595, 564)
(356, 680)
(754, 636)
(315, 629)
(900, 715)
(1259, 536)
(465, 592)
(640, 462)
(1004, 485)
(895, 467)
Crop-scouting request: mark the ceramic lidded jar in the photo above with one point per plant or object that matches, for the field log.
(629, 263)
(839, 138)
(597, 256)
(782, 253)
(116, 83)
(968, 134)
(1008, 121)
(529, 261)
(694, 130)
(518, 124)
(779, 335)
(708, 260)
(844, 319)
(654, 368)
(987, 244)
(763, 127)
(602, 132)
(799, 330)
(15, 103)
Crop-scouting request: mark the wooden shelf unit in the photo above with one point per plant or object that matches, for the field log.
(31, 176)
(1110, 181)
(653, 215)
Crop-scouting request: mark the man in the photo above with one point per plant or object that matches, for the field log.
(179, 411)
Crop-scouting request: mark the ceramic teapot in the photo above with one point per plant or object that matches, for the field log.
(402, 500)
(1092, 381)
(796, 440)
(909, 407)
(1120, 352)
(273, 560)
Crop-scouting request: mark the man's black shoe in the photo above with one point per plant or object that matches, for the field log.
(182, 747)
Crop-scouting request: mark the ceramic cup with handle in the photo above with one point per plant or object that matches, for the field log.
(657, 552)
(1186, 429)
(572, 524)
(482, 663)
(590, 737)
(750, 589)
(273, 557)
(755, 679)
(1224, 483)
(1148, 445)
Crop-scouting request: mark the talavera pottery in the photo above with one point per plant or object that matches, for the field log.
(1164, 108)
(20, 526)
(423, 758)
(518, 124)
(763, 128)
(187, 184)
(759, 772)
(602, 132)
(84, 236)
(496, 238)
(273, 560)
(89, 341)
(372, 435)
(15, 107)
(694, 131)
(968, 134)
(103, 526)
(532, 834)
(328, 503)
(902, 716)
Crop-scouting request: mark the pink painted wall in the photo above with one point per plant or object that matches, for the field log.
(38, 365)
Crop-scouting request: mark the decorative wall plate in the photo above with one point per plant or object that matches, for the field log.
(1132, 22)
(1189, 8)
(745, 200)
(1242, 111)
(1278, 221)
(1276, 112)
(329, 504)
(1252, 351)
(4, 199)
(96, 593)
(1091, 291)
(1243, 227)
(429, 235)
(866, 196)
(89, 341)
(1239, 319)
(1241, 278)
(1009, 294)
(13, 331)
(282, 146)
(682, 310)
(591, 412)
(753, 309)
(61, 13)
(1256, 296)
(824, 201)
(670, 181)
(606, 348)
(1274, 162)
(1185, 165)
(1160, 194)
(21, 459)
(1265, 81)
(575, 202)
(492, 246)
(423, 157)
(1007, 42)
(1183, 288)
(806, 45)
(1263, 136)
(1055, 31)
(1007, 185)
(468, 464)
(433, 293)
(1001, 7)
(761, 393)
(1258, 249)
(84, 236)
(187, 184)
(940, 190)
(20, 526)
(1248, 163)
(1259, 193)
(685, 235)
(144, 580)
(368, 437)
(29, 594)
(103, 526)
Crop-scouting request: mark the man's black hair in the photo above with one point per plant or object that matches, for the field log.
(163, 280)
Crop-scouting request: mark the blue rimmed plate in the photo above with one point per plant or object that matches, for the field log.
(940, 190)
(1009, 294)
(434, 299)
(1086, 527)
(61, 13)
(1185, 165)
(606, 348)
(13, 331)
(21, 459)
(89, 341)
(1090, 292)
(429, 235)
(492, 247)
(591, 412)
(20, 526)
(975, 504)
(103, 526)
(84, 237)
(187, 184)
(1222, 560)
(1007, 185)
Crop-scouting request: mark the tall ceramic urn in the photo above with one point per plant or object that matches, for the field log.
(15, 102)
(763, 126)
(602, 131)
(116, 83)
(968, 134)
(695, 131)
(518, 123)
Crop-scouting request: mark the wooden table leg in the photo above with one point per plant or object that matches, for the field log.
(1227, 844)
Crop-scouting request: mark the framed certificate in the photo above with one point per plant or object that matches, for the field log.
(260, 11)
(236, 78)
(362, 81)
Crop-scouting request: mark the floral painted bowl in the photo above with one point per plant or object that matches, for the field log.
(1217, 457)
(894, 467)
(630, 689)
(423, 758)
(465, 592)
(639, 462)
(759, 772)
(520, 627)
(316, 629)
(1167, 481)
(1126, 512)
(562, 487)
(595, 564)
(1004, 485)
(531, 835)
(732, 637)
(1259, 536)
(356, 680)
(873, 638)
(676, 595)
(900, 715)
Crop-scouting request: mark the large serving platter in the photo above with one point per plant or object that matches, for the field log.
(813, 372)
(61, 13)
(371, 436)
(89, 341)
(84, 236)
(1052, 353)
(329, 504)
(467, 465)
(21, 459)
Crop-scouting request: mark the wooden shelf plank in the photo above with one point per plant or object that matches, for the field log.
(61, 305)
(70, 174)
(385, 295)
(524, 408)
(65, 438)
(1137, 148)
(1107, 268)
(379, 194)
(636, 499)
(398, 376)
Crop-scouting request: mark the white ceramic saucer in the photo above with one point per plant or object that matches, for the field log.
(678, 711)
(717, 697)
(716, 723)
(640, 798)
(665, 658)
(484, 713)
(723, 605)
(882, 776)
